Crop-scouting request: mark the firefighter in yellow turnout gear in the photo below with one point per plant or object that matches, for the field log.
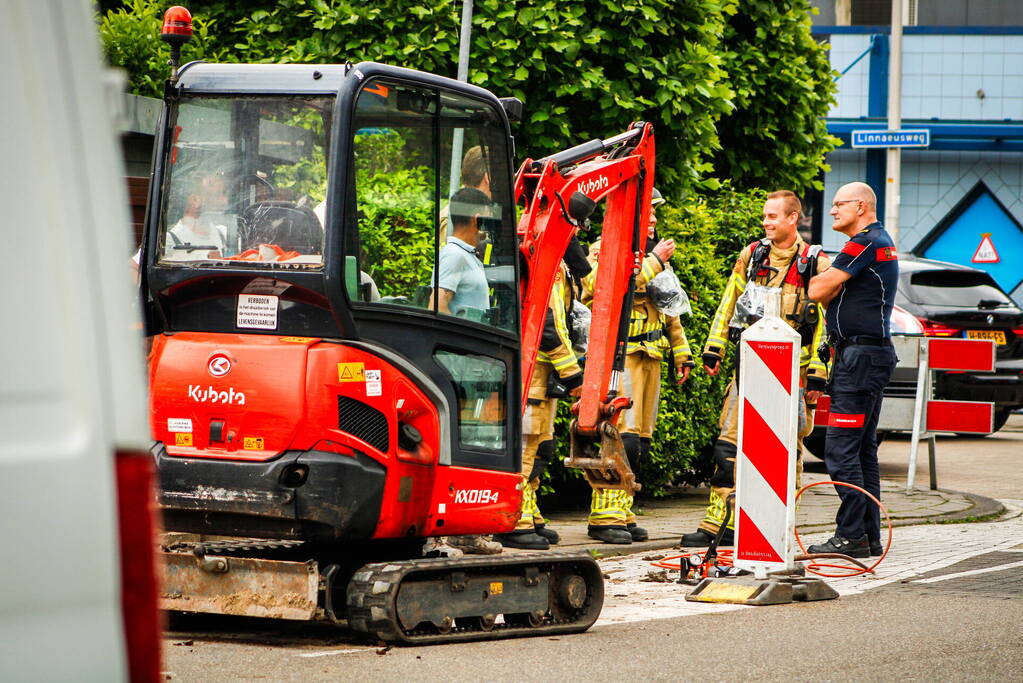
(557, 373)
(651, 334)
(780, 260)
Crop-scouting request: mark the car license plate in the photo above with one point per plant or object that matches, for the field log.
(998, 336)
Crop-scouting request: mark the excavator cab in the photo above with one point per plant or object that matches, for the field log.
(312, 202)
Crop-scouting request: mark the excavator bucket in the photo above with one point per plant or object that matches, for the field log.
(604, 465)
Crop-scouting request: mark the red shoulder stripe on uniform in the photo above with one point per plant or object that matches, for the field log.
(854, 249)
(887, 254)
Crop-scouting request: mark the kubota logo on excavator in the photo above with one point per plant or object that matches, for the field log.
(212, 395)
(594, 185)
(475, 496)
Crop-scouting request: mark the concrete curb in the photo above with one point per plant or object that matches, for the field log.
(983, 508)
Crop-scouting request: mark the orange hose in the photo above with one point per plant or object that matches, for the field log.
(852, 572)
(724, 558)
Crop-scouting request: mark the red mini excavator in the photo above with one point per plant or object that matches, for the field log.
(317, 410)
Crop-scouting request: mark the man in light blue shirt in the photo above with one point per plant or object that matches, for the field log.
(461, 283)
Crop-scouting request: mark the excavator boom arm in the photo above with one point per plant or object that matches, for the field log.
(619, 170)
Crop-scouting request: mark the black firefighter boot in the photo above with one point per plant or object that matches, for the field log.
(610, 534)
(636, 449)
(701, 538)
(552, 536)
(724, 476)
(526, 539)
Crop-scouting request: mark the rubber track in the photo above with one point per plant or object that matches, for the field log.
(373, 592)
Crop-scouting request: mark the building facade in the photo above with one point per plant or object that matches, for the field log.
(962, 80)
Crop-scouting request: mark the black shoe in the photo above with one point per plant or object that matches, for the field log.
(610, 534)
(638, 533)
(701, 538)
(525, 539)
(876, 548)
(551, 535)
(842, 546)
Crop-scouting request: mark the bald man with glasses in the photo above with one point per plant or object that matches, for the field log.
(859, 292)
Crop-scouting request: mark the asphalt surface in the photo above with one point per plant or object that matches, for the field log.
(947, 604)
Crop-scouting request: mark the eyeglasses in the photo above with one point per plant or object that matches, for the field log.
(835, 205)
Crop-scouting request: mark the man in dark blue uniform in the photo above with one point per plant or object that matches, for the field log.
(859, 292)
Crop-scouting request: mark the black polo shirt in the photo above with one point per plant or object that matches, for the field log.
(864, 306)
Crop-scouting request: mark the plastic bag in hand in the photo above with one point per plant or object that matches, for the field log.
(749, 308)
(667, 295)
(579, 326)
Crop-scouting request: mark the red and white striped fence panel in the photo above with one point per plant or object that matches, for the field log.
(765, 474)
(922, 415)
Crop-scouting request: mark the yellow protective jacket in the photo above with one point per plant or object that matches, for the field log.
(792, 297)
(556, 344)
(662, 332)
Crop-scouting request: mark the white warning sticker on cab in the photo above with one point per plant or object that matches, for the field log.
(373, 385)
(257, 311)
(179, 424)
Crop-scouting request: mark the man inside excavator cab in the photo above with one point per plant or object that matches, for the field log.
(460, 283)
(203, 229)
(244, 176)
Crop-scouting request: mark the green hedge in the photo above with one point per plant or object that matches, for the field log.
(736, 88)
(709, 231)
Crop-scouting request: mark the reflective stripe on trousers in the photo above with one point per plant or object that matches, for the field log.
(610, 507)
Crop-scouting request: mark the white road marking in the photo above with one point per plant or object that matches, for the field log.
(331, 653)
(971, 572)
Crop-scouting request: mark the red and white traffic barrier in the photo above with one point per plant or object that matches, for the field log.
(931, 416)
(922, 415)
(765, 474)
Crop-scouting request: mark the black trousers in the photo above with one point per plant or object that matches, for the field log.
(850, 452)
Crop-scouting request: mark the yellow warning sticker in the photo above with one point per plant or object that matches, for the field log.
(723, 591)
(253, 443)
(350, 372)
(182, 439)
(496, 588)
(297, 340)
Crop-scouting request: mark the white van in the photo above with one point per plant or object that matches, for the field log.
(77, 587)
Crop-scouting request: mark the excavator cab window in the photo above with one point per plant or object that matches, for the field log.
(430, 251)
(414, 150)
(246, 182)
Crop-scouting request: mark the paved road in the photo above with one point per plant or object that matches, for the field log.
(947, 603)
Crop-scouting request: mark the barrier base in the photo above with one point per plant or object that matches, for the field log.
(775, 590)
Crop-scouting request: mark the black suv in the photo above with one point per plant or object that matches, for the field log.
(950, 300)
(939, 299)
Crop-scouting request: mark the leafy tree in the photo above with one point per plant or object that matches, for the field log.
(584, 69)
(131, 40)
(735, 88)
(776, 136)
(396, 225)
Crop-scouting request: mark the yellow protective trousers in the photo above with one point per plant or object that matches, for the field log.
(611, 507)
(537, 431)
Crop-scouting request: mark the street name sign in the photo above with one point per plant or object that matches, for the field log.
(891, 138)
